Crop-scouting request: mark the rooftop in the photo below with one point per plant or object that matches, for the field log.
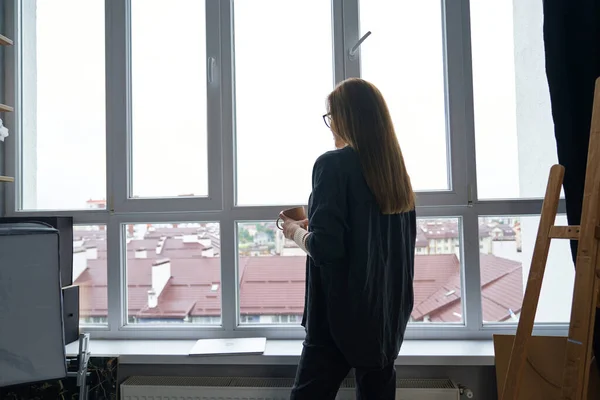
(272, 285)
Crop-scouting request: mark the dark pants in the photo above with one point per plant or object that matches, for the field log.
(572, 52)
(323, 368)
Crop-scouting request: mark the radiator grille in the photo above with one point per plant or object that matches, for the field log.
(239, 382)
(201, 381)
(240, 388)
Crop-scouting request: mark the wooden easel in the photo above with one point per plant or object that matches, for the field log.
(548, 368)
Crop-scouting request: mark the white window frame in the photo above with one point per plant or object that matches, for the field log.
(220, 206)
(119, 104)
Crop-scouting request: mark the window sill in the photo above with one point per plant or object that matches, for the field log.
(286, 352)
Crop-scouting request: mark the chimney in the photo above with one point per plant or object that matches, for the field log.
(279, 242)
(208, 252)
(161, 273)
(141, 253)
(91, 253)
(78, 242)
(206, 242)
(79, 262)
(131, 230)
(152, 298)
(190, 238)
(160, 245)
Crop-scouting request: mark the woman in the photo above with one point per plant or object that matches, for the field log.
(361, 243)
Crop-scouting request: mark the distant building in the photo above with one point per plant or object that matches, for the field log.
(96, 204)
(261, 238)
(443, 237)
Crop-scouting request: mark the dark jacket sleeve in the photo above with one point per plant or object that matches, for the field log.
(327, 216)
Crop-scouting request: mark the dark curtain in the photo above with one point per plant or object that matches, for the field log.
(572, 45)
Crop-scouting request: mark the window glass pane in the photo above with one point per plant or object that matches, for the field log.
(63, 104)
(168, 68)
(438, 266)
(514, 131)
(173, 273)
(89, 273)
(404, 58)
(272, 274)
(283, 74)
(506, 246)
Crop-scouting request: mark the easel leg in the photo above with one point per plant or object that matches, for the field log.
(585, 294)
(514, 374)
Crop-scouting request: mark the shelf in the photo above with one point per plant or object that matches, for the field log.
(6, 179)
(4, 41)
(5, 108)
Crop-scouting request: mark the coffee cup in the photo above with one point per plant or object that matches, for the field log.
(295, 213)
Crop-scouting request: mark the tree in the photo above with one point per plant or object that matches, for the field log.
(244, 236)
(269, 232)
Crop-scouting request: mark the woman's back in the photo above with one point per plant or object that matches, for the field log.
(360, 274)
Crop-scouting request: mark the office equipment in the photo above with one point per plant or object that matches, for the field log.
(64, 226)
(70, 313)
(32, 346)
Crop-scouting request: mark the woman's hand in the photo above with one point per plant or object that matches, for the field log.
(290, 226)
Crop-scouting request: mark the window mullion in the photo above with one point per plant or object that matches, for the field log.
(351, 28)
(229, 287)
(117, 127)
(459, 116)
(339, 27)
(116, 278)
(461, 147)
(215, 17)
(469, 114)
(471, 272)
(118, 40)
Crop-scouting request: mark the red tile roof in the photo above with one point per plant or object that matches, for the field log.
(501, 291)
(275, 284)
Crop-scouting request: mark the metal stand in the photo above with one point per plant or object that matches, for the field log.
(83, 359)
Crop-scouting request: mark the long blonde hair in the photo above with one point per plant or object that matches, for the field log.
(360, 117)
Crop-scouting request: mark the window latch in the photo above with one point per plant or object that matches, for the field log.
(211, 69)
(469, 195)
(354, 49)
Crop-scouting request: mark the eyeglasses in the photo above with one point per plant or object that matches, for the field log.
(327, 120)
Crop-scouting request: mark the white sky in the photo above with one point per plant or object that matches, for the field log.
(284, 71)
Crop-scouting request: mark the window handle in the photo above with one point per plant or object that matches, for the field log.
(212, 62)
(354, 49)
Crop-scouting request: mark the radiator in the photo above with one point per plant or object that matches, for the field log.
(205, 388)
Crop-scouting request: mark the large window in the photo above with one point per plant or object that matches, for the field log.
(283, 73)
(173, 273)
(168, 99)
(89, 273)
(405, 59)
(63, 158)
(511, 100)
(175, 132)
(506, 250)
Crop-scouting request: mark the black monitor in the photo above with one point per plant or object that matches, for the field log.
(64, 226)
(30, 293)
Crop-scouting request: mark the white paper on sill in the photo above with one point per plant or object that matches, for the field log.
(233, 346)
